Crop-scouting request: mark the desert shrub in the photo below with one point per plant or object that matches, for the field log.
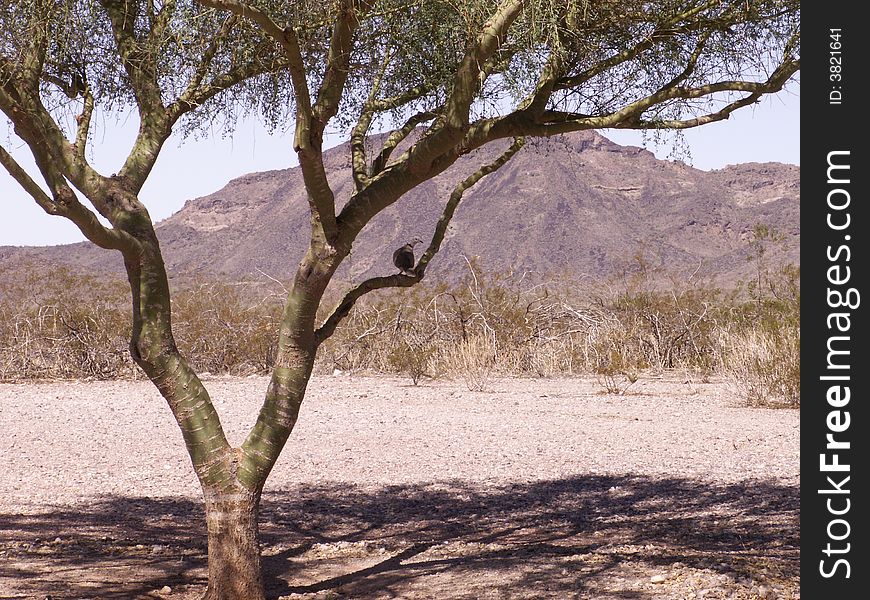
(71, 326)
(412, 359)
(225, 328)
(659, 322)
(760, 344)
(414, 342)
(472, 359)
(63, 326)
(774, 303)
(484, 324)
(358, 344)
(763, 364)
(57, 341)
(383, 334)
(615, 375)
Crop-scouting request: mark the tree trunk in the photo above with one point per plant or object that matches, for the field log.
(234, 569)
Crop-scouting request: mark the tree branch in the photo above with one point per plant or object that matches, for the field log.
(691, 63)
(135, 58)
(351, 296)
(719, 115)
(436, 150)
(288, 40)
(308, 140)
(536, 102)
(466, 84)
(372, 107)
(190, 93)
(66, 204)
(160, 24)
(359, 162)
(630, 116)
(456, 198)
(193, 98)
(325, 108)
(139, 62)
(664, 30)
(308, 144)
(245, 10)
(83, 124)
(21, 102)
(414, 93)
(338, 60)
(395, 138)
(400, 280)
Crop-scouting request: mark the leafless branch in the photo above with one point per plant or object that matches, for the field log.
(395, 138)
(65, 203)
(401, 280)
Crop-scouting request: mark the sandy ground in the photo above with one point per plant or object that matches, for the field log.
(535, 489)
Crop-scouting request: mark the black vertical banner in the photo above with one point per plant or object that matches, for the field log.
(835, 562)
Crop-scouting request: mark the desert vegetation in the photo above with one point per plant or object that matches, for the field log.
(642, 323)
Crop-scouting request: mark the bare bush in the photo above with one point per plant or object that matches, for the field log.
(484, 324)
(63, 327)
(615, 374)
(226, 328)
(764, 365)
(473, 359)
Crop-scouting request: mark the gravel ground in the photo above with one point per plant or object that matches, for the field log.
(536, 489)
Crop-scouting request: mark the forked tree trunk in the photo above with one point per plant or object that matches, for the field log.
(234, 567)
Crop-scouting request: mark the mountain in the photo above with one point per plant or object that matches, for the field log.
(574, 204)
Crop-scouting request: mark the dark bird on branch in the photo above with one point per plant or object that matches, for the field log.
(403, 258)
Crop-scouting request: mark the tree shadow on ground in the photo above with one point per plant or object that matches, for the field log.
(582, 537)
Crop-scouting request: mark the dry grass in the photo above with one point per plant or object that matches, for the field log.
(74, 327)
(764, 365)
(473, 359)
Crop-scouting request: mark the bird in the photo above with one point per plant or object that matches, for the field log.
(403, 257)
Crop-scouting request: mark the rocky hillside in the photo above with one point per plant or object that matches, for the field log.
(575, 204)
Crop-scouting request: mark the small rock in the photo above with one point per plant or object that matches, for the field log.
(157, 549)
(657, 579)
(166, 590)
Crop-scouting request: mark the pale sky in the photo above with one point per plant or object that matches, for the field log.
(768, 131)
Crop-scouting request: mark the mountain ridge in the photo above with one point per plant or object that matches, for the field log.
(575, 204)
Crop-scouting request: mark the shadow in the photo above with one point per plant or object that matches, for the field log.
(577, 537)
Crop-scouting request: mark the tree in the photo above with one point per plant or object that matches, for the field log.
(445, 77)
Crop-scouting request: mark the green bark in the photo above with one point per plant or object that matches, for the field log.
(294, 361)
